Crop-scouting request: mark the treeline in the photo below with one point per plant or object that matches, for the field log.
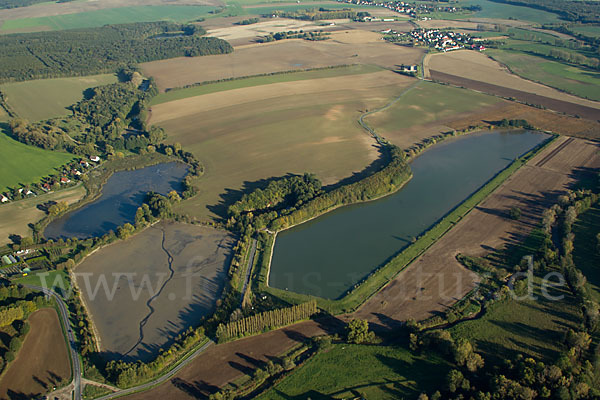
(384, 181)
(581, 11)
(125, 374)
(248, 21)
(290, 191)
(5, 4)
(264, 321)
(319, 14)
(311, 36)
(90, 51)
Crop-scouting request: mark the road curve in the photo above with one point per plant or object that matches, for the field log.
(76, 365)
(160, 379)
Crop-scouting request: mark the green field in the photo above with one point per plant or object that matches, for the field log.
(578, 81)
(587, 30)
(178, 94)
(26, 164)
(532, 327)
(290, 8)
(48, 98)
(425, 103)
(586, 254)
(4, 117)
(491, 9)
(120, 15)
(362, 371)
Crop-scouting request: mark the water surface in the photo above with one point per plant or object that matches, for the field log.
(328, 255)
(121, 196)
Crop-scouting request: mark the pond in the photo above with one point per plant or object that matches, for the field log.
(328, 255)
(121, 196)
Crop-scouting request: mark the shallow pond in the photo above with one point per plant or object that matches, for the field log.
(121, 196)
(328, 255)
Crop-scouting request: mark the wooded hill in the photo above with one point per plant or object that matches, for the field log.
(79, 52)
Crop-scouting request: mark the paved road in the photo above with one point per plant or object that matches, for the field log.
(159, 380)
(248, 269)
(76, 366)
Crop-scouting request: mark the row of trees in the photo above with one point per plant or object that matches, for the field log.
(265, 321)
(94, 50)
(384, 181)
(319, 14)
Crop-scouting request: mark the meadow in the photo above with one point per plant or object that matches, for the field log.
(23, 164)
(184, 93)
(287, 127)
(120, 15)
(493, 10)
(15, 217)
(571, 79)
(362, 371)
(587, 30)
(49, 98)
(426, 103)
(531, 327)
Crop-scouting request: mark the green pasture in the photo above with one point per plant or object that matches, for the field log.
(23, 164)
(362, 371)
(49, 98)
(578, 81)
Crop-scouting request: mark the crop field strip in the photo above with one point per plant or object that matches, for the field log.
(531, 188)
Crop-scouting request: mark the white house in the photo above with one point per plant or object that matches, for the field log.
(95, 158)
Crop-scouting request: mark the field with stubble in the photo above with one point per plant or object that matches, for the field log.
(436, 279)
(42, 362)
(249, 134)
(286, 55)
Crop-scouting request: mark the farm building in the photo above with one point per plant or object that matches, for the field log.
(408, 68)
(6, 260)
(12, 259)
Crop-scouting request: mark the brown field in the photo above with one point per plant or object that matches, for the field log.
(234, 32)
(279, 56)
(15, 216)
(50, 9)
(525, 97)
(475, 66)
(42, 362)
(436, 280)
(225, 363)
(137, 275)
(249, 134)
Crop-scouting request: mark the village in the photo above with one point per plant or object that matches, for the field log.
(434, 38)
(70, 174)
(410, 9)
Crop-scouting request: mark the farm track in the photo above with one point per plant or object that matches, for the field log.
(248, 270)
(554, 152)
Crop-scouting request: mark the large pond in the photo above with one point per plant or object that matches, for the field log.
(328, 255)
(121, 196)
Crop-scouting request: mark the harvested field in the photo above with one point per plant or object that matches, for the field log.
(279, 56)
(263, 28)
(245, 135)
(48, 98)
(476, 71)
(163, 279)
(15, 217)
(41, 363)
(425, 110)
(436, 280)
(525, 97)
(222, 364)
